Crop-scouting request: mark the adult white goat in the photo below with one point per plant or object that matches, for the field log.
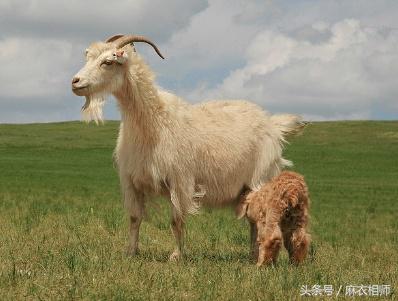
(193, 154)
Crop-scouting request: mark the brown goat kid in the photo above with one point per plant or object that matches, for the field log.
(276, 212)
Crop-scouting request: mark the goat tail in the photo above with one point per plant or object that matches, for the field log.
(288, 124)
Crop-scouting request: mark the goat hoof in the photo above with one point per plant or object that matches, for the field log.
(175, 256)
(131, 252)
(253, 255)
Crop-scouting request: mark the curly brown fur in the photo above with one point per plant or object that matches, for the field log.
(278, 212)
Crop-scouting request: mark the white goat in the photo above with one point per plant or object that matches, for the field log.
(192, 154)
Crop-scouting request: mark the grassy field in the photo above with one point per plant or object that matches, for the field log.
(63, 229)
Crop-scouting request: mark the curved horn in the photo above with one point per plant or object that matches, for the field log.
(114, 38)
(124, 40)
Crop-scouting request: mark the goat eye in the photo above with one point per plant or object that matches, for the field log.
(107, 62)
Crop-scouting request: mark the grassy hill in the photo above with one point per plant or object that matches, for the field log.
(63, 229)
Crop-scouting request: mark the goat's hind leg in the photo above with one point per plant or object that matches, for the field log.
(297, 243)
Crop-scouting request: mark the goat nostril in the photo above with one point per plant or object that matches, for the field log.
(75, 80)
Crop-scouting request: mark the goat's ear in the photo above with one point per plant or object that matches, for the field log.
(120, 56)
(241, 209)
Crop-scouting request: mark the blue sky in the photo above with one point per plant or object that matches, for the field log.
(325, 60)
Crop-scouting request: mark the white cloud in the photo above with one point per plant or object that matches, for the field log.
(32, 69)
(213, 42)
(42, 44)
(326, 59)
(94, 19)
(214, 35)
(345, 76)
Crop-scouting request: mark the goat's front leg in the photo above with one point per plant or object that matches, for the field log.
(134, 204)
(297, 242)
(269, 237)
(269, 245)
(177, 226)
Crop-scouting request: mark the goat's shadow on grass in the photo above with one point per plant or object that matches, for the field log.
(196, 257)
(152, 256)
(227, 257)
(162, 256)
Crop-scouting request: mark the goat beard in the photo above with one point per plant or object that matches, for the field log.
(92, 108)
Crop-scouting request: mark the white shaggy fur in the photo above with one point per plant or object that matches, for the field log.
(192, 154)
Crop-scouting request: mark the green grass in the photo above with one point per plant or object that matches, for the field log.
(63, 229)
